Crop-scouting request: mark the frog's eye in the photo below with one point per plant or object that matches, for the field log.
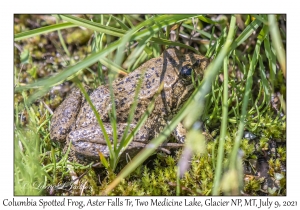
(186, 71)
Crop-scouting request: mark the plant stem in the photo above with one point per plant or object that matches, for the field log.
(223, 131)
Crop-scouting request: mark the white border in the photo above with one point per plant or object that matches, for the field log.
(140, 7)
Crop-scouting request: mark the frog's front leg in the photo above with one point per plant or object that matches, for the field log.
(88, 141)
(180, 133)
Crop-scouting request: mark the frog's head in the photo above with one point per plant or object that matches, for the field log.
(193, 66)
(189, 66)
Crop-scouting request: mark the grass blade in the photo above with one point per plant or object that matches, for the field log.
(218, 171)
(246, 33)
(277, 43)
(93, 26)
(255, 57)
(60, 77)
(42, 30)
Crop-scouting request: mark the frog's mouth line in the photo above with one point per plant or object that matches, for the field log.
(90, 149)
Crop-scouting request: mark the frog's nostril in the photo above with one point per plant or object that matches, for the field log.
(197, 63)
(186, 71)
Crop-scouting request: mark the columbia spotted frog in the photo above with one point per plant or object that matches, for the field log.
(75, 121)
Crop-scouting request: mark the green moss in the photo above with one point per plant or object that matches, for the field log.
(253, 185)
(161, 179)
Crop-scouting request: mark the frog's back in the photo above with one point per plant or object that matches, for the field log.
(152, 73)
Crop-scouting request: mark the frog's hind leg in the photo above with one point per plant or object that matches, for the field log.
(88, 141)
(63, 119)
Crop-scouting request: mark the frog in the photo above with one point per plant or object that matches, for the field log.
(167, 80)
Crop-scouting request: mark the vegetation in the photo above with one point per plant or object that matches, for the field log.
(235, 118)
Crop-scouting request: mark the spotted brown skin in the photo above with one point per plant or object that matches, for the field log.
(75, 121)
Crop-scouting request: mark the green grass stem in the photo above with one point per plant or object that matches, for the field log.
(218, 171)
(277, 43)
